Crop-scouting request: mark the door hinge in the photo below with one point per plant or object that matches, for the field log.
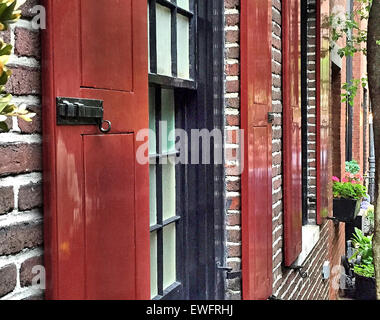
(76, 111)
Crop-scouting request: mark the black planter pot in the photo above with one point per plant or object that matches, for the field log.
(346, 210)
(365, 288)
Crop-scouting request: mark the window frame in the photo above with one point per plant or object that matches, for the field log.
(181, 87)
(200, 237)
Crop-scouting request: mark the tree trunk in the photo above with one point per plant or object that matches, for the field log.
(373, 59)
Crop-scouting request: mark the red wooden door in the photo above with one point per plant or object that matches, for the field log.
(292, 132)
(96, 193)
(256, 102)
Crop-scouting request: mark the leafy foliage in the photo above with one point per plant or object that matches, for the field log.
(364, 249)
(9, 13)
(350, 187)
(365, 270)
(349, 190)
(352, 167)
(347, 26)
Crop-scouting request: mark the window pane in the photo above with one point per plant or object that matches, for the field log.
(168, 119)
(164, 57)
(169, 250)
(168, 190)
(183, 4)
(152, 195)
(183, 54)
(153, 265)
(152, 120)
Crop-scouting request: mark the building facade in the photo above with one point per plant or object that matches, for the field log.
(112, 215)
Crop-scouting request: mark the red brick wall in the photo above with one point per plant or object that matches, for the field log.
(21, 232)
(288, 283)
(232, 172)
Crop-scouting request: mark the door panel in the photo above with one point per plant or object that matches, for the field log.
(110, 55)
(292, 133)
(109, 216)
(257, 175)
(106, 60)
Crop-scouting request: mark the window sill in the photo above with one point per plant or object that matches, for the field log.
(310, 237)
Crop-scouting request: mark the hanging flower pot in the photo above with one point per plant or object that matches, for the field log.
(348, 195)
(365, 287)
(346, 210)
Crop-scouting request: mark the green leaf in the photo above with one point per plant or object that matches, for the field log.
(4, 127)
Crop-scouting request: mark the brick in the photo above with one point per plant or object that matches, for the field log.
(27, 43)
(232, 19)
(20, 158)
(233, 185)
(231, 4)
(8, 279)
(277, 159)
(233, 103)
(25, 8)
(234, 219)
(234, 284)
(232, 36)
(234, 251)
(6, 36)
(6, 200)
(235, 265)
(232, 170)
(35, 125)
(233, 235)
(26, 270)
(277, 4)
(232, 120)
(277, 184)
(232, 86)
(233, 53)
(30, 196)
(233, 203)
(232, 69)
(17, 237)
(276, 16)
(24, 81)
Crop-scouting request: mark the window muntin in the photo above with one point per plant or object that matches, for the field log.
(162, 171)
(171, 67)
(171, 44)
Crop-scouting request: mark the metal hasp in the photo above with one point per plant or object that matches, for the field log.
(77, 111)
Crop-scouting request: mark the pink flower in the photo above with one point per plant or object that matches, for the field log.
(344, 180)
(336, 179)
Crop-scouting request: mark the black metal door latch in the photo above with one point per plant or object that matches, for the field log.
(221, 267)
(76, 111)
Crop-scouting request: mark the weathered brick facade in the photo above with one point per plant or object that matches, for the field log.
(287, 283)
(21, 201)
(21, 217)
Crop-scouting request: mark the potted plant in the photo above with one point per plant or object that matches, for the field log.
(365, 283)
(348, 194)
